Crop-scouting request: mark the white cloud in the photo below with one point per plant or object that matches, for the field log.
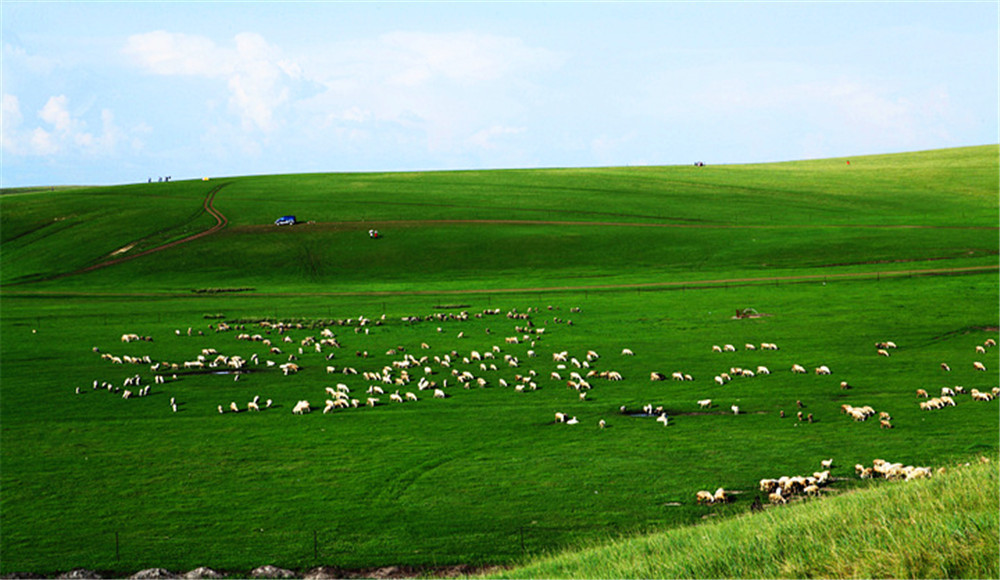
(65, 134)
(56, 114)
(254, 71)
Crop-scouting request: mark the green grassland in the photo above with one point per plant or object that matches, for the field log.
(642, 258)
(941, 528)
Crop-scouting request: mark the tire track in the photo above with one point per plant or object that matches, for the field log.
(680, 284)
(221, 221)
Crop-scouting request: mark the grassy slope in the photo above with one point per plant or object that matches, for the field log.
(794, 205)
(483, 476)
(946, 527)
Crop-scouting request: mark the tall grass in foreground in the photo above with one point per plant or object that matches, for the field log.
(946, 527)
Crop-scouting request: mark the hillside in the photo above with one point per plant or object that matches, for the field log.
(947, 527)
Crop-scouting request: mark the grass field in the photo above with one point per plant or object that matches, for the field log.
(654, 259)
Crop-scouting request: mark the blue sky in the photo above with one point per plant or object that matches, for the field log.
(107, 93)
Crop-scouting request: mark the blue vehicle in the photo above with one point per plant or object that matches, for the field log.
(287, 220)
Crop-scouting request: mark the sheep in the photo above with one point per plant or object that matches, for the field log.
(253, 406)
(922, 393)
(716, 348)
(704, 497)
(947, 391)
(601, 424)
(330, 370)
(126, 394)
(572, 421)
(990, 342)
(302, 407)
(882, 352)
(799, 369)
(560, 417)
(233, 407)
(980, 349)
(267, 404)
(884, 424)
(663, 419)
(627, 352)
(677, 376)
(826, 463)
(411, 396)
(735, 409)
(396, 397)
(978, 366)
(762, 370)
(749, 346)
(719, 380)
(822, 370)
(945, 367)
(656, 376)
(776, 497)
(705, 403)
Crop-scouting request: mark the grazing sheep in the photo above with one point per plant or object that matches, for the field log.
(922, 393)
(979, 366)
(627, 352)
(799, 369)
(656, 376)
(268, 404)
(776, 497)
(220, 410)
(735, 409)
(719, 380)
(560, 417)
(302, 407)
(826, 463)
(411, 396)
(663, 419)
(233, 407)
(945, 367)
(990, 342)
(883, 424)
(601, 424)
(704, 497)
(749, 346)
(980, 349)
(822, 370)
(947, 391)
(716, 348)
(762, 370)
(883, 352)
(705, 403)
(252, 406)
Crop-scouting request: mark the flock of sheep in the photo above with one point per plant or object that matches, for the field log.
(406, 375)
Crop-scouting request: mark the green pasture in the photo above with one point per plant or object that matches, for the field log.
(484, 476)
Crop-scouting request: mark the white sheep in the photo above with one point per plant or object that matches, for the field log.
(601, 424)
(252, 406)
(411, 396)
(220, 410)
(799, 369)
(978, 366)
(826, 463)
(728, 348)
(572, 421)
(663, 419)
(735, 409)
(302, 407)
(233, 407)
(822, 370)
(627, 352)
(705, 403)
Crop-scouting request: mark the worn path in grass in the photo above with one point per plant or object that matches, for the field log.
(686, 284)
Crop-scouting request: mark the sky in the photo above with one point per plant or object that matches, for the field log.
(102, 93)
